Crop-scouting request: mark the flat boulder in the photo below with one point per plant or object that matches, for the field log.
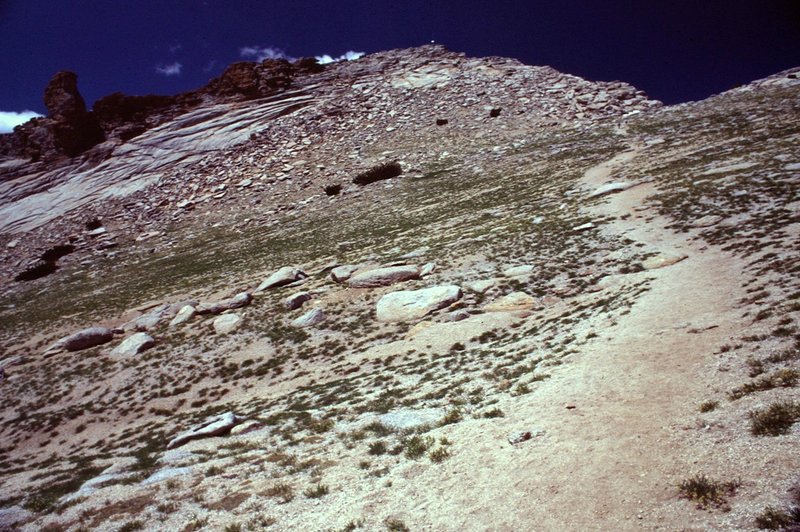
(134, 344)
(511, 302)
(282, 277)
(384, 276)
(242, 299)
(91, 337)
(610, 188)
(408, 305)
(663, 260)
(215, 426)
(227, 323)
(519, 271)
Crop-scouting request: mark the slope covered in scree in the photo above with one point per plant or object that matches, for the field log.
(572, 309)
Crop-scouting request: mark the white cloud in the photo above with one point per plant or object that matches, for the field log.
(10, 119)
(347, 56)
(173, 69)
(260, 53)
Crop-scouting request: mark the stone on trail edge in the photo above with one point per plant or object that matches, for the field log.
(215, 426)
(412, 304)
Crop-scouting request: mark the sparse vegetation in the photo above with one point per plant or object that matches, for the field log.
(707, 492)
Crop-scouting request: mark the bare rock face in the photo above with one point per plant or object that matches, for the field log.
(215, 426)
(383, 276)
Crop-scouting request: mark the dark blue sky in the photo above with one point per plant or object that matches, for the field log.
(676, 50)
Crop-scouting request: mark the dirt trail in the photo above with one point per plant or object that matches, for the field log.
(613, 461)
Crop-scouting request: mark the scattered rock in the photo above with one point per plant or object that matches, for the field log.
(227, 323)
(282, 277)
(215, 426)
(133, 345)
(242, 299)
(91, 337)
(295, 301)
(662, 261)
(610, 188)
(405, 419)
(427, 269)
(511, 302)
(519, 271)
(522, 436)
(480, 287)
(313, 317)
(342, 273)
(458, 315)
(383, 276)
(185, 314)
(147, 321)
(412, 304)
(494, 113)
(583, 227)
(441, 121)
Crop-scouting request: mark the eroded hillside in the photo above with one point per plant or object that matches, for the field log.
(572, 309)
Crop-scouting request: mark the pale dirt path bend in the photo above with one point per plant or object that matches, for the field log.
(612, 462)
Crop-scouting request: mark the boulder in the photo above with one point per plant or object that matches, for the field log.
(185, 314)
(313, 317)
(295, 301)
(134, 344)
(91, 337)
(383, 276)
(342, 273)
(458, 315)
(215, 426)
(610, 188)
(480, 287)
(511, 302)
(282, 277)
(412, 304)
(242, 299)
(519, 271)
(427, 269)
(663, 260)
(227, 323)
